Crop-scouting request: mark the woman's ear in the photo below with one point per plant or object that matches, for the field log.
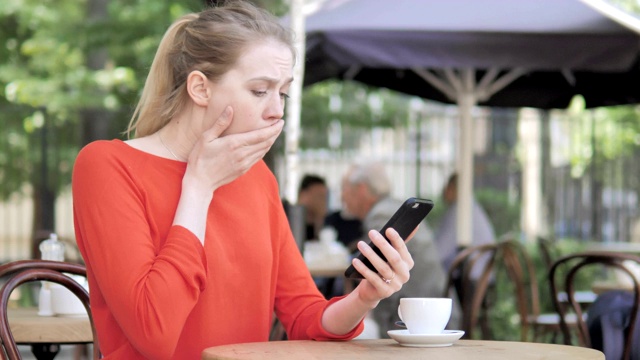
(198, 88)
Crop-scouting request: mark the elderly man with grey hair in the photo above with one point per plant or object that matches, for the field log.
(366, 192)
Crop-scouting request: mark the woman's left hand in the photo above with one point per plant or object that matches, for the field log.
(392, 274)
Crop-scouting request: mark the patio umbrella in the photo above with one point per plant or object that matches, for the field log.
(509, 53)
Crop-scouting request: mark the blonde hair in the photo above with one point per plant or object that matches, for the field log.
(211, 42)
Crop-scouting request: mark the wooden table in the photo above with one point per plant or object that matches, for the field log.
(599, 287)
(622, 247)
(46, 333)
(330, 270)
(388, 349)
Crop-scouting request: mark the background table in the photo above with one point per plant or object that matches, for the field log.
(46, 333)
(28, 328)
(330, 270)
(599, 287)
(389, 349)
(623, 247)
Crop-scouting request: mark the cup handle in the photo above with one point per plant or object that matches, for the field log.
(400, 313)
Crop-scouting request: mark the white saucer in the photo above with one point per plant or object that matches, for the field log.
(446, 338)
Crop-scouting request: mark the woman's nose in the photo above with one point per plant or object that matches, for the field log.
(275, 108)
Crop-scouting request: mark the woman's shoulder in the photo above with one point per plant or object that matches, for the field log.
(109, 151)
(106, 155)
(102, 148)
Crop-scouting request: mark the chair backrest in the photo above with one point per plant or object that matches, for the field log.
(474, 259)
(23, 271)
(547, 251)
(572, 264)
(15, 266)
(520, 269)
(508, 257)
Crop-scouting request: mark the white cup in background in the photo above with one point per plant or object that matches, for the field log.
(64, 302)
(425, 315)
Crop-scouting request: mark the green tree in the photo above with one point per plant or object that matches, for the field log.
(61, 63)
(354, 105)
(607, 134)
(631, 6)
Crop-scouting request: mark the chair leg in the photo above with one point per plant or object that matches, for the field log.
(45, 351)
(484, 321)
(81, 352)
(278, 332)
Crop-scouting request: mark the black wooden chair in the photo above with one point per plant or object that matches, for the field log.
(571, 265)
(472, 292)
(549, 252)
(520, 268)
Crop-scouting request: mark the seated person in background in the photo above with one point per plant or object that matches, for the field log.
(312, 194)
(348, 227)
(366, 194)
(349, 232)
(446, 236)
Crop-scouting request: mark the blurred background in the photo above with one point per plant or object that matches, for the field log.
(71, 72)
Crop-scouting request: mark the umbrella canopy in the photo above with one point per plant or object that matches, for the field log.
(511, 53)
(560, 47)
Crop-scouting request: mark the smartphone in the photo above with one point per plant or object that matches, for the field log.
(408, 216)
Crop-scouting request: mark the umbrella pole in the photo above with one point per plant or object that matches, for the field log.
(466, 101)
(464, 91)
(293, 108)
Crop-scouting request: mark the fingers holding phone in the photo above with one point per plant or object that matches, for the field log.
(402, 248)
(396, 261)
(401, 257)
(387, 276)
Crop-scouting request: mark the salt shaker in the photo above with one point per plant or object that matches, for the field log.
(50, 249)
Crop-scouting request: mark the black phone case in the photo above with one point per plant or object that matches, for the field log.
(408, 216)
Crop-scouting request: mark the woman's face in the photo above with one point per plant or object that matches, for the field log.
(256, 88)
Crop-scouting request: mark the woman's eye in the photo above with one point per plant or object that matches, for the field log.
(284, 96)
(259, 93)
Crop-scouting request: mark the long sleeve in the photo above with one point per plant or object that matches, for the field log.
(149, 283)
(299, 304)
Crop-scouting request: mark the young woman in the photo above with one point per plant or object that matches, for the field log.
(182, 229)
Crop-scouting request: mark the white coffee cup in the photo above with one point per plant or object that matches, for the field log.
(425, 315)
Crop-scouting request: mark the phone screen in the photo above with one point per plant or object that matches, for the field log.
(408, 216)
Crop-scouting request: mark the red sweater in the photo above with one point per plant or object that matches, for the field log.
(155, 291)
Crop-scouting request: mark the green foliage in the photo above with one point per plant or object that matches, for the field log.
(48, 77)
(611, 133)
(354, 105)
(631, 6)
(503, 213)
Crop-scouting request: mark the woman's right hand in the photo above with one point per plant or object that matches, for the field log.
(217, 160)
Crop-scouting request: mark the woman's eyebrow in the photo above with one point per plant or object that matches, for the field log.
(270, 80)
